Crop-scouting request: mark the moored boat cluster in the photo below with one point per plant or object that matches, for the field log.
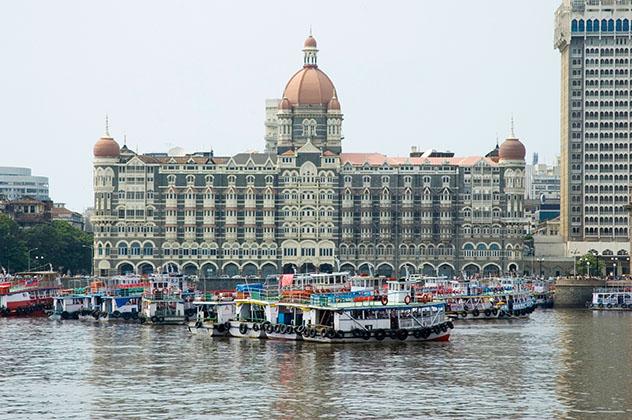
(317, 307)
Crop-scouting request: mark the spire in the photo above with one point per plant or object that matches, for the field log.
(513, 131)
(107, 126)
(310, 51)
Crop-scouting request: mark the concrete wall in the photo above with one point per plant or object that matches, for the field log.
(574, 292)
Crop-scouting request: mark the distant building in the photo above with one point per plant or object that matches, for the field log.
(542, 180)
(28, 211)
(87, 219)
(60, 212)
(16, 183)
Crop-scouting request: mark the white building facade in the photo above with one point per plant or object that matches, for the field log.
(594, 38)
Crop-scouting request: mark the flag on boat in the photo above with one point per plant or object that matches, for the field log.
(287, 280)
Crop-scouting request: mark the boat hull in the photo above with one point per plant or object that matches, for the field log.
(209, 329)
(441, 336)
(237, 329)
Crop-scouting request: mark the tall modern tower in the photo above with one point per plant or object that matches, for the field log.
(595, 41)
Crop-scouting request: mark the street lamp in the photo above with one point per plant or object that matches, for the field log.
(614, 267)
(540, 261)
(588, 270)
(29, 256)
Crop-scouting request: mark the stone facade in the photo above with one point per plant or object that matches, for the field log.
(305, 204)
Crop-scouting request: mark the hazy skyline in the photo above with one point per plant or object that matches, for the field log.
(444, 75)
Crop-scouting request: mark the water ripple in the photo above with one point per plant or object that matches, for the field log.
(565, 364)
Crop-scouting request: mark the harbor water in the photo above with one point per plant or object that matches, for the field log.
(559, 363)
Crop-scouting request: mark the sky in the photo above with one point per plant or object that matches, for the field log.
(436, 74)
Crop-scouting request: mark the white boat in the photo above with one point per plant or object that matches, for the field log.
(611, 299)
(353, 316)
(71, 306)
(169, 300)
(212, 317)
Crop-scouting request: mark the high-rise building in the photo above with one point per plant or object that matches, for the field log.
(595, 41)
(304, 204)
(16, 183)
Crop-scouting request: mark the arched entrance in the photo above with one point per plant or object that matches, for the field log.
(326, 268)
(249, 270)
(402, 270)
(347, 267)
(385, 270)
(471, 270)
(289, 269)
(364, 269)
(190, 270)
(126, 268)
(145, 269)
(308, 268)
(268, 270)
(231, 270)
(491, 270)
(513, 268)
(428, 270)
(446, 270)
(208, 271)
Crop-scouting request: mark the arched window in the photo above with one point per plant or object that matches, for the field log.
(619, 25)
(626, 25)
(589, 26)
(574, 26)
(135, 248)
(122, 250)
(148, 250)
(581, 26)
(610, 25)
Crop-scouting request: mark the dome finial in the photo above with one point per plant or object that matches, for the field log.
(513, 131)
(107, 126)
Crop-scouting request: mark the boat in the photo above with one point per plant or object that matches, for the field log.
(253, 307)
(118, 298)
(212, 317)
(169, 299)
(543, 293)
(28, 294)
(341, 316)
(611, 299)
(489, 303)
(364, 316)
(71, 304)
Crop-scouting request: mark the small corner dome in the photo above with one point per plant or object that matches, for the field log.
(310, 42)
(512, 149)
(334, 103)
(285, 104)
(106, 147)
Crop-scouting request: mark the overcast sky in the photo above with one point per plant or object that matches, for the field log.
(437, 74)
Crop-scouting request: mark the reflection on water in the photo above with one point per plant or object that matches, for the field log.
(558, 364)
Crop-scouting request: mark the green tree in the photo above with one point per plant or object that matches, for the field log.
(13, 250)
(61, 245)
(590, 262)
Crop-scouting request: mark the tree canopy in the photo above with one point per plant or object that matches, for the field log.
(57, 243)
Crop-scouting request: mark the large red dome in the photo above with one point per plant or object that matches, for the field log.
(512, 149)
(106, 146)
(309, 86)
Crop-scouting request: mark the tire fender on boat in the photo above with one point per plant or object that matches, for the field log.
(407, 300)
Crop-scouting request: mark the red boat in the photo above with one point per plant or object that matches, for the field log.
(28, 294)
